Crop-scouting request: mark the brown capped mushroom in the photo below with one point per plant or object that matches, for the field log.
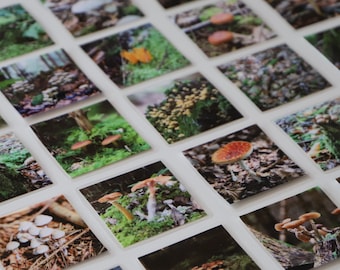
(293, 224)
(233, 152)
(111, 139)
(220, 37)
(310, 215)
(80, 145)
(221, 18)
(112, 198)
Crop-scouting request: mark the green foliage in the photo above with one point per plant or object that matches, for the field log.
(11, 183)
(165, 58)
(14, 159)
(6, 83)
(33, 31)
(37, 100)
(208, 12)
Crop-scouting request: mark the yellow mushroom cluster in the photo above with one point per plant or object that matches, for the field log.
(178, 115)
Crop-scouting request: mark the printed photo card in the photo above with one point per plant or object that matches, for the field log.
(85, 17)
(212, 249)
(48, 235)
(89, 138)
(317, 131)
(305, 12)
(20, 173)
(135, 55)
(142, 203)
(44, 83)
(274, 77)
(301, 232)
(242, 164)
(20, 33)
(184, 107)
(327, 42)
(223, 27)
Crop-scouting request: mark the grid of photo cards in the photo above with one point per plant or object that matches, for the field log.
(169, 134)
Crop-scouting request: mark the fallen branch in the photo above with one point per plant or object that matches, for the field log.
(67, 214)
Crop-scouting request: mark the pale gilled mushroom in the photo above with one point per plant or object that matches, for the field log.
(233, 152)
(112, 198)
(151, 183)
(42, 249)
(13, 247)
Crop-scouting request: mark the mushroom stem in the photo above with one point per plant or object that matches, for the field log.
(315, 7)
(123, 210)
(250, 171)
(233, 176)
(318, 237)
(151, 206)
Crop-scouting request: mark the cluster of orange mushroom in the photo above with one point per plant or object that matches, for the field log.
(136, 55)
(317, 233)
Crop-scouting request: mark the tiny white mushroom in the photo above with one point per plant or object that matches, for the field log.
(25, 225)
(12, 245)
(45, 232)
(34, 230)
(57, 234)
(35, 243)
(42, 249)
(42, 220)
(25, 237)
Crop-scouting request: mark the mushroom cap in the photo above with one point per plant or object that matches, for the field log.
(293, 224)
(336, 211)
(221, 18)
(232, 152)
(110, 197)
(12, 245)
(41, 220)
(25, 225)
(278, 226)
(34, 230)
(35, 243)
(161, 179)
(111, 139)
(220, 37)
(45, 232)
(57, 234)
(79, 145)
(310, 215)
(41, 249)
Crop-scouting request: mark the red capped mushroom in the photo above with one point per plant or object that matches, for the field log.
(150, 183)
(232, 152)
(111, 139)
(112, 199)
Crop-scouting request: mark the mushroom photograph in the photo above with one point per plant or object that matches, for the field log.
(301, 232)
(222, 27)
(142, 203)
(328, 43)
(20, 173)
(84, 17)
(45, 82)
(20, 33)
(274, 77)
(49, 235)
(317, 131)
(242, 164)
(89, 138)
(135, 55)
(184, 107)
(209, 250)
(300, 13)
